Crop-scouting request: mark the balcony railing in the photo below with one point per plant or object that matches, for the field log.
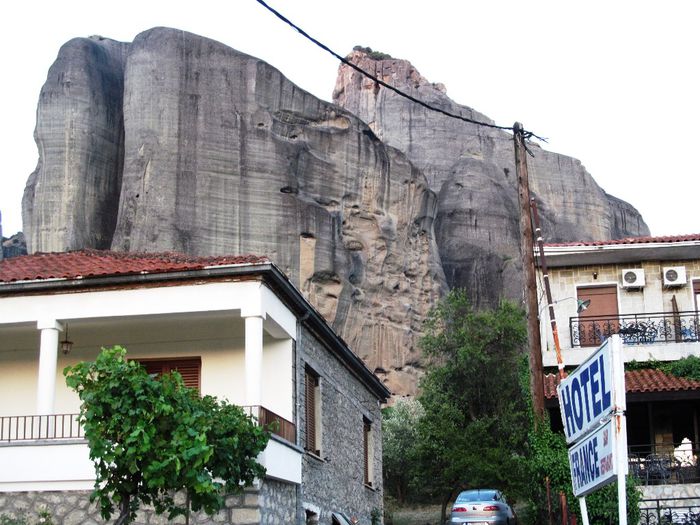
(53, 426)
(66, 426)
(273, 422)
(666, 511)
(665, 464)
(636, 329)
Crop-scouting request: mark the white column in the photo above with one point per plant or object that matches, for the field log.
(48, 359)
(253, 359)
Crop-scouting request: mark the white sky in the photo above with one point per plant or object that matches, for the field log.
(615, 84)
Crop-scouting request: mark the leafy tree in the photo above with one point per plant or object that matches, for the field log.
(149, 438)
(473, 433)
(548, 459)
(399, 437)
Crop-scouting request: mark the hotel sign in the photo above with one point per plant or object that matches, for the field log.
(585, 396)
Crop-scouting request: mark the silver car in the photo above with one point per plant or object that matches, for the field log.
(482, 507)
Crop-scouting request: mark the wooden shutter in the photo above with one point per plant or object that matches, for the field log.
(189, 368)
(365, 438)
(604, 308)
(310, 384)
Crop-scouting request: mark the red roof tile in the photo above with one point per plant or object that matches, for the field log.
(633, 240)
(636, 381)
(96, 263)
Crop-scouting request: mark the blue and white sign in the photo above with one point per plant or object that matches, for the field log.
(593, 460)
(585, 396)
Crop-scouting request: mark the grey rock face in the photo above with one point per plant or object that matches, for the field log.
(223, 155)
(70, 200)
(177, 142)
(471, 168)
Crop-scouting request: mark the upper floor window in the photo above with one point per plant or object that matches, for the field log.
(368, 451)
(312, 409)
(189, 368)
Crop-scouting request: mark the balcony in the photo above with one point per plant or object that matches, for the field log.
(66, 426)
(49, 452)
(667, 464)
(636, 329)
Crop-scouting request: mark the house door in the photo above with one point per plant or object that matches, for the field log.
(600, 320)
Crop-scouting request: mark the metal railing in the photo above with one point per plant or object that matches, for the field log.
(636, 329)
(664, 464)
(52, 426)
(273, 422)
(66, 426)
(668, 511)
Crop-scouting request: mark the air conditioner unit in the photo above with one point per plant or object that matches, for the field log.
(633, 278)
(674, 276)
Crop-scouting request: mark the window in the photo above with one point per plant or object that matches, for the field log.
(312, 411)
(189, 368)
(600, 319)
(368, 449)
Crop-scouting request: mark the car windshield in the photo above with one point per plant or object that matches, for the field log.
(476, 495)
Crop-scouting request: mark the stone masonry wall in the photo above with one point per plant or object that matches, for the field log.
(334, 482)
(273, 503)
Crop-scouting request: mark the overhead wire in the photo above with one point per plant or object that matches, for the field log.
(526, 134)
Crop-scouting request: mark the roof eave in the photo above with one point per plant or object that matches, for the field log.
(270, 274)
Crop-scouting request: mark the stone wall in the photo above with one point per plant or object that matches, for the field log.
(334, 482)
(273, 503)
(278, 503)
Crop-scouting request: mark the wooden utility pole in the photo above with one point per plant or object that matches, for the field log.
(530, 285)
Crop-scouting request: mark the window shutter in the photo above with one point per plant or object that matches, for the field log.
(366, 435)
(310, 382)
(189, 369)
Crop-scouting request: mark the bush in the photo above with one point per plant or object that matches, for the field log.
(44, 518)
(374, 55)
(549, 459)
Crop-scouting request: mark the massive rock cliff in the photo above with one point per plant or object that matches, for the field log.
(177, 142)
(222, 154)
(71, 198)
(471, 169)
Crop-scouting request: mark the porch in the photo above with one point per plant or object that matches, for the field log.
(235, 339)
(51, 451)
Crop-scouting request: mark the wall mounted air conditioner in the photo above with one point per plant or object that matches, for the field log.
(633, 278)
(674, 276)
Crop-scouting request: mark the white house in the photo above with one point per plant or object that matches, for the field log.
(235, 327)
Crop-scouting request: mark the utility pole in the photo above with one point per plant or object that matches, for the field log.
(530, 285)
(547, 287)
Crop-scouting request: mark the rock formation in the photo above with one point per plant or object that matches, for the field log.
(177, 142)
(472, 171)
(71, 198)
(222, 154)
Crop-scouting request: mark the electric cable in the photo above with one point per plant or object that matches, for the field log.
(526, 134)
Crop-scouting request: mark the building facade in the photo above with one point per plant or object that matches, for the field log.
(235, 328)
(648, 291)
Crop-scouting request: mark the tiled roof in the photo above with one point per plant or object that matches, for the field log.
(633, 240)
(636, 382)
(96, 263)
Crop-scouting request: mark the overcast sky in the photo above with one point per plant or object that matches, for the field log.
(615, 84)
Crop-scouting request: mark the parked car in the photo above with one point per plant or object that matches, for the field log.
(482, 507)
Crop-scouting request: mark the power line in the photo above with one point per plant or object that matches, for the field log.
(526, 134)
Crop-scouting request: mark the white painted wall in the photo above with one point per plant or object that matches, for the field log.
(45, 467)
(209, 297)
(278, 377)
(281, 462)
(67, 466)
